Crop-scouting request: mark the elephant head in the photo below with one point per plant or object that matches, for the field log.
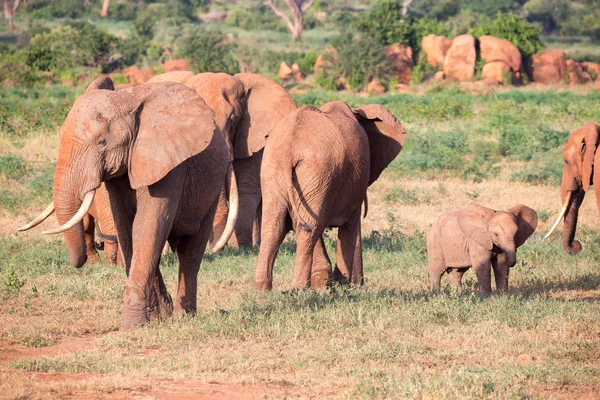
(579, 158)
(505, 230)
(142, 132)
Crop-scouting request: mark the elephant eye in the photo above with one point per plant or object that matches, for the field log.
(101, 142)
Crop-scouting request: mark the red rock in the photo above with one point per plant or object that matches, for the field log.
(285, 71)
(549, 66)
(325, 60)
(496, 49)
(138, 76)
(400, 58)
(180, 64)
(496, 71)
(592, 68)
(460, 59)
(297, 75)
(436, 48)
(375, 87)
(577, 76)
(439, 76)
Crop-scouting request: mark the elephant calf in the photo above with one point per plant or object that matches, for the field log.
(316, 168)
(476, 237)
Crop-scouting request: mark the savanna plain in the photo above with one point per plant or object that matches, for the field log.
(391, 338)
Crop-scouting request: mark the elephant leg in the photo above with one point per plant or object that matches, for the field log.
(307, 237)
(436, 264)
(501, 271)
(484, 276)
(275, 227)
(349, 246)
(321, 267)
(220, 216)
(160, 303)
(190, 251)
(247, 173)
(90, 244)
(123, 205)
(455, 277)
(111, 252)
(256, 227)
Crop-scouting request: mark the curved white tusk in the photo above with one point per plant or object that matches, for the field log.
(39, 219)
(85, 206)
(560, 215)
(234, 203)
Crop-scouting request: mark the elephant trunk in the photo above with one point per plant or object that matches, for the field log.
(74, 237)
(570, 245)
(511, 256)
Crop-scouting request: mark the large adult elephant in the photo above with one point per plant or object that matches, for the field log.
(317, 166)
(163, 161)
(580, 157)
(247, 107)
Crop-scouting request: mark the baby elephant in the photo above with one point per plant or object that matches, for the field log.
(476, 237)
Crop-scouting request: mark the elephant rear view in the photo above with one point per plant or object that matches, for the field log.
(481, 238)
(317, 166)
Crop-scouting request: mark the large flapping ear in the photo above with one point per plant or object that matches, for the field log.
(174, 125)
(266, 104)
(386, 136)
(588, 149)
(473, 222)
(527, 220)
(103, 82)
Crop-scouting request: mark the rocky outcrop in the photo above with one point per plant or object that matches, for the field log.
(459, 64)
(325, 60)
(577, 76)
(436, 48)
(285, 71)
(179, 64)
(400, 59)
(550, 66)
(138, 76)
(297, 75)
(495, 49)
(375, 87)
(496, 71)
(593, 69)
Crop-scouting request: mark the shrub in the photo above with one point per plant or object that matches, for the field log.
(14, 71)
(255, 18)
(307, 62)
(45, 9)
(207, 51)
(266, 61)
(12, 166)
(523, 34)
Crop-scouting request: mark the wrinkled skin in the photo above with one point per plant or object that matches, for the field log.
(247, 107)
(316, 168)
(101, 215)
(163, 161)
(579, 158)
(481, 238)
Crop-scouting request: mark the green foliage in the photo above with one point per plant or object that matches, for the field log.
(207, 51)
(490, 8)
(12, 166)
(255, 18)
(549, 13)
(307, 62)
(14, 71)
(523, 34)
(267, 61)
(11, 280)
(360, 59)
(44, 9)
(407, 196)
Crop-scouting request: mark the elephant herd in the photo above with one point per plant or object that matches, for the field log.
(185, 159)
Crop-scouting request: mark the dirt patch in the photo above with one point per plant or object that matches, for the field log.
(10, 352)
(586, 295)
(563, 392)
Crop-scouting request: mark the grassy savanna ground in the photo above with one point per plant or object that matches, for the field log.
(389, 339)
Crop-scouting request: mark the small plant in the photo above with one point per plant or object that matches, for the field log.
(12, 166)
(11, 280)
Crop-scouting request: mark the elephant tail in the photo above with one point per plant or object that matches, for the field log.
(233, 210)
(104, 236)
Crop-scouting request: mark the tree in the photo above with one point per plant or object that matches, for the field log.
(10, 11)
(105, 6)
(298, 8)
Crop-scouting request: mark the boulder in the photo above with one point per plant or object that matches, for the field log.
(549, 66)
(297, 75)
(496, 49)
(285, 71)
(375, 87)
(459, 64)
(402, 88)
(439, 76)
(325, 60)
(436, 47)
(400, 58)
(179, 64)
(496, 71)
(593, 69)
(577, 76)
(137, 76)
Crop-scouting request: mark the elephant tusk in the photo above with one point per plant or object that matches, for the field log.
(85, 206)
(39, 219)
(233, 211)
(560, 215)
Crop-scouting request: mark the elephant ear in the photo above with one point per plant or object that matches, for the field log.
(101, 83)
(527, 220)
(588, 149)
(174, 125)
(473, 222)
(266, 104)
(386, 136)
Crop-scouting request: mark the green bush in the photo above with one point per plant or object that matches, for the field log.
(255, 19)
(14, 71)
(307, 62)
(12, 166)
(523, 34)
(207, 51)
(267, 61)
(45, 9)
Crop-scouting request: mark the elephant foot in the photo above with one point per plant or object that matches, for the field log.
(263, 285)
(339, 277)
(320, 279)
(136, 311)
(93, 258)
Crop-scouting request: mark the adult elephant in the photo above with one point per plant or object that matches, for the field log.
(247, 107)
(163, 161)
(580, 157)
(316, 169)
